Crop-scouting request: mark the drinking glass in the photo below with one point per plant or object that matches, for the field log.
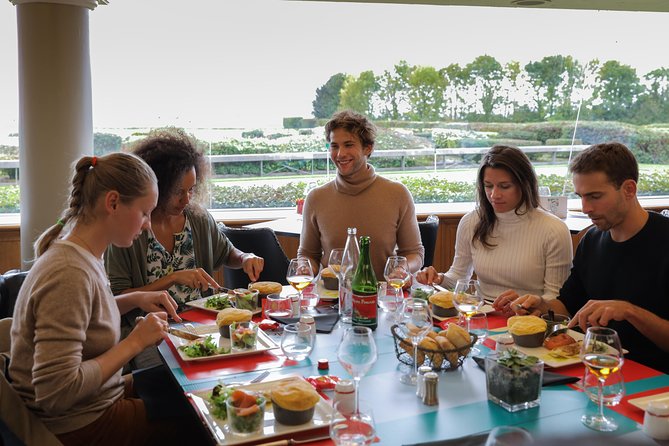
(468, 298)
(478, 324)
(300, 274)
(278, 306)
(357, 354)
(297, 341)
(352, 428)
(509, 436)
(602, 354)
(397, 276)
(414, 321)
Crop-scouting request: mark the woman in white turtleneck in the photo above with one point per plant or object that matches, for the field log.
(513, 245)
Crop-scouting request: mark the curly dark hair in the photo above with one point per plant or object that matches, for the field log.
(354, 123)
(171, 152)
(519, 166)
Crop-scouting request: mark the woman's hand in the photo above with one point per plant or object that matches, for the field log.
(528, 304)
(149, 329)
(428, 276)
(503, 302)
(195, 278)
(252, 266)
(155, 301)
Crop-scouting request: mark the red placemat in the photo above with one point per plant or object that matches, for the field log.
(631, 411)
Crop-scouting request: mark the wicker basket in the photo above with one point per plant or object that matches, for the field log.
(439, 360)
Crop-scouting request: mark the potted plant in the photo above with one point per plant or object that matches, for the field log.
(513, 379)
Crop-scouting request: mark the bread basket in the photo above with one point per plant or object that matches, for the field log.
(439, 360)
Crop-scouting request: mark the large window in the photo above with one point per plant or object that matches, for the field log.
(255, 80)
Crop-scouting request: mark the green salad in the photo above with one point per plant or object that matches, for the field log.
(245, 301)
(219, 395)
(218, 302)
(204, 347)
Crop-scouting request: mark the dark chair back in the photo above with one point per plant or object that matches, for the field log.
(428, 235)
(262, 242)
(10, 284)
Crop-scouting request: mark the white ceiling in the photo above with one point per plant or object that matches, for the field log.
(611, 5)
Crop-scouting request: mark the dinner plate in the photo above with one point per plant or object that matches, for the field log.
(484, 309)
(544, 354)
(642, 402)
(264, 343)
(224, 436)
(326, 294)
(201, 304)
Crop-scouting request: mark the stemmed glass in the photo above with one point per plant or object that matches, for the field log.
(334, 261)
(348, 428)
(468, 298)
(357, 354)
(397, 276)
(478, 324)
(414, 320)
(300, 274)
(602, 354)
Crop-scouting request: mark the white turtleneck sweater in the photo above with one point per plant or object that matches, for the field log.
(532, 255)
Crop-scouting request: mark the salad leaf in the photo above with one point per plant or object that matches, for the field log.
(218, 302)
(219, 396)
(204, 347)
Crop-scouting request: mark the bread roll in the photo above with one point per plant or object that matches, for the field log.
(229, 315)
(445, 344)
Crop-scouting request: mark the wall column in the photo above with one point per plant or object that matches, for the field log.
(55, 108)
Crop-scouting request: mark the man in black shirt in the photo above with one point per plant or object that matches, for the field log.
(620, 275)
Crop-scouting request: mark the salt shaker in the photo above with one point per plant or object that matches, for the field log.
(504, 342)
(656, 420)
(309, 320)
(344, 391)
(420, 380)
(431, 398)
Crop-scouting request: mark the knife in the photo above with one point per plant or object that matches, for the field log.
(183, 334)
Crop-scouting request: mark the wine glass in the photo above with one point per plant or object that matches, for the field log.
(468, 298)
(300, 274)
(357, 354)
(414, 321)
(334, 261)
(602, 354)
(613, 390)
(352, 427)
(397, 276)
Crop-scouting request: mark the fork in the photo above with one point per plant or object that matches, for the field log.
(291, 441)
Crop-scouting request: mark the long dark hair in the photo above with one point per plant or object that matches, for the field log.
(514, 161)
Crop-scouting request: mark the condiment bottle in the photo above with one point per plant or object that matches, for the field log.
(364, 287)
(656, 420)
(344, 391)
(308, 319)
(420, 380)
(431, 397)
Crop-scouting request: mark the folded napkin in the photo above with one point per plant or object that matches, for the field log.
(325, 323)
(549, 379)
(468, 440)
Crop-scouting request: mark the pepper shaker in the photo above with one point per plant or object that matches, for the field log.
(431, 398)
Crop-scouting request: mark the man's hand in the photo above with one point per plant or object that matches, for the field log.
(599, 313)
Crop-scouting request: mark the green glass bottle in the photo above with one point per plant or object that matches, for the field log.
(364, 286)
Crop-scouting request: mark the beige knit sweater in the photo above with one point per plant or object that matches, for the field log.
(377, 207)
(65, 317)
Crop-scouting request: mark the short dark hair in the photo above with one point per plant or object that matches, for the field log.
(514, 161)
(171, 152)
(354, 123)
(612, 158)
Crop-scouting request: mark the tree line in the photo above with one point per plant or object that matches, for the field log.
(486, 90)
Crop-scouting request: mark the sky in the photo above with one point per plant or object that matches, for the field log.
(249, 63)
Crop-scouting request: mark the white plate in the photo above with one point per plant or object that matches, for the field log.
(543, 353)
(221, 431)
(200, 303)
(484, 309)
(642, 403)
(264, 343)
(326, 294)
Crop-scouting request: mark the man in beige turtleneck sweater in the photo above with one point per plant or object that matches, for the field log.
(358, 197)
